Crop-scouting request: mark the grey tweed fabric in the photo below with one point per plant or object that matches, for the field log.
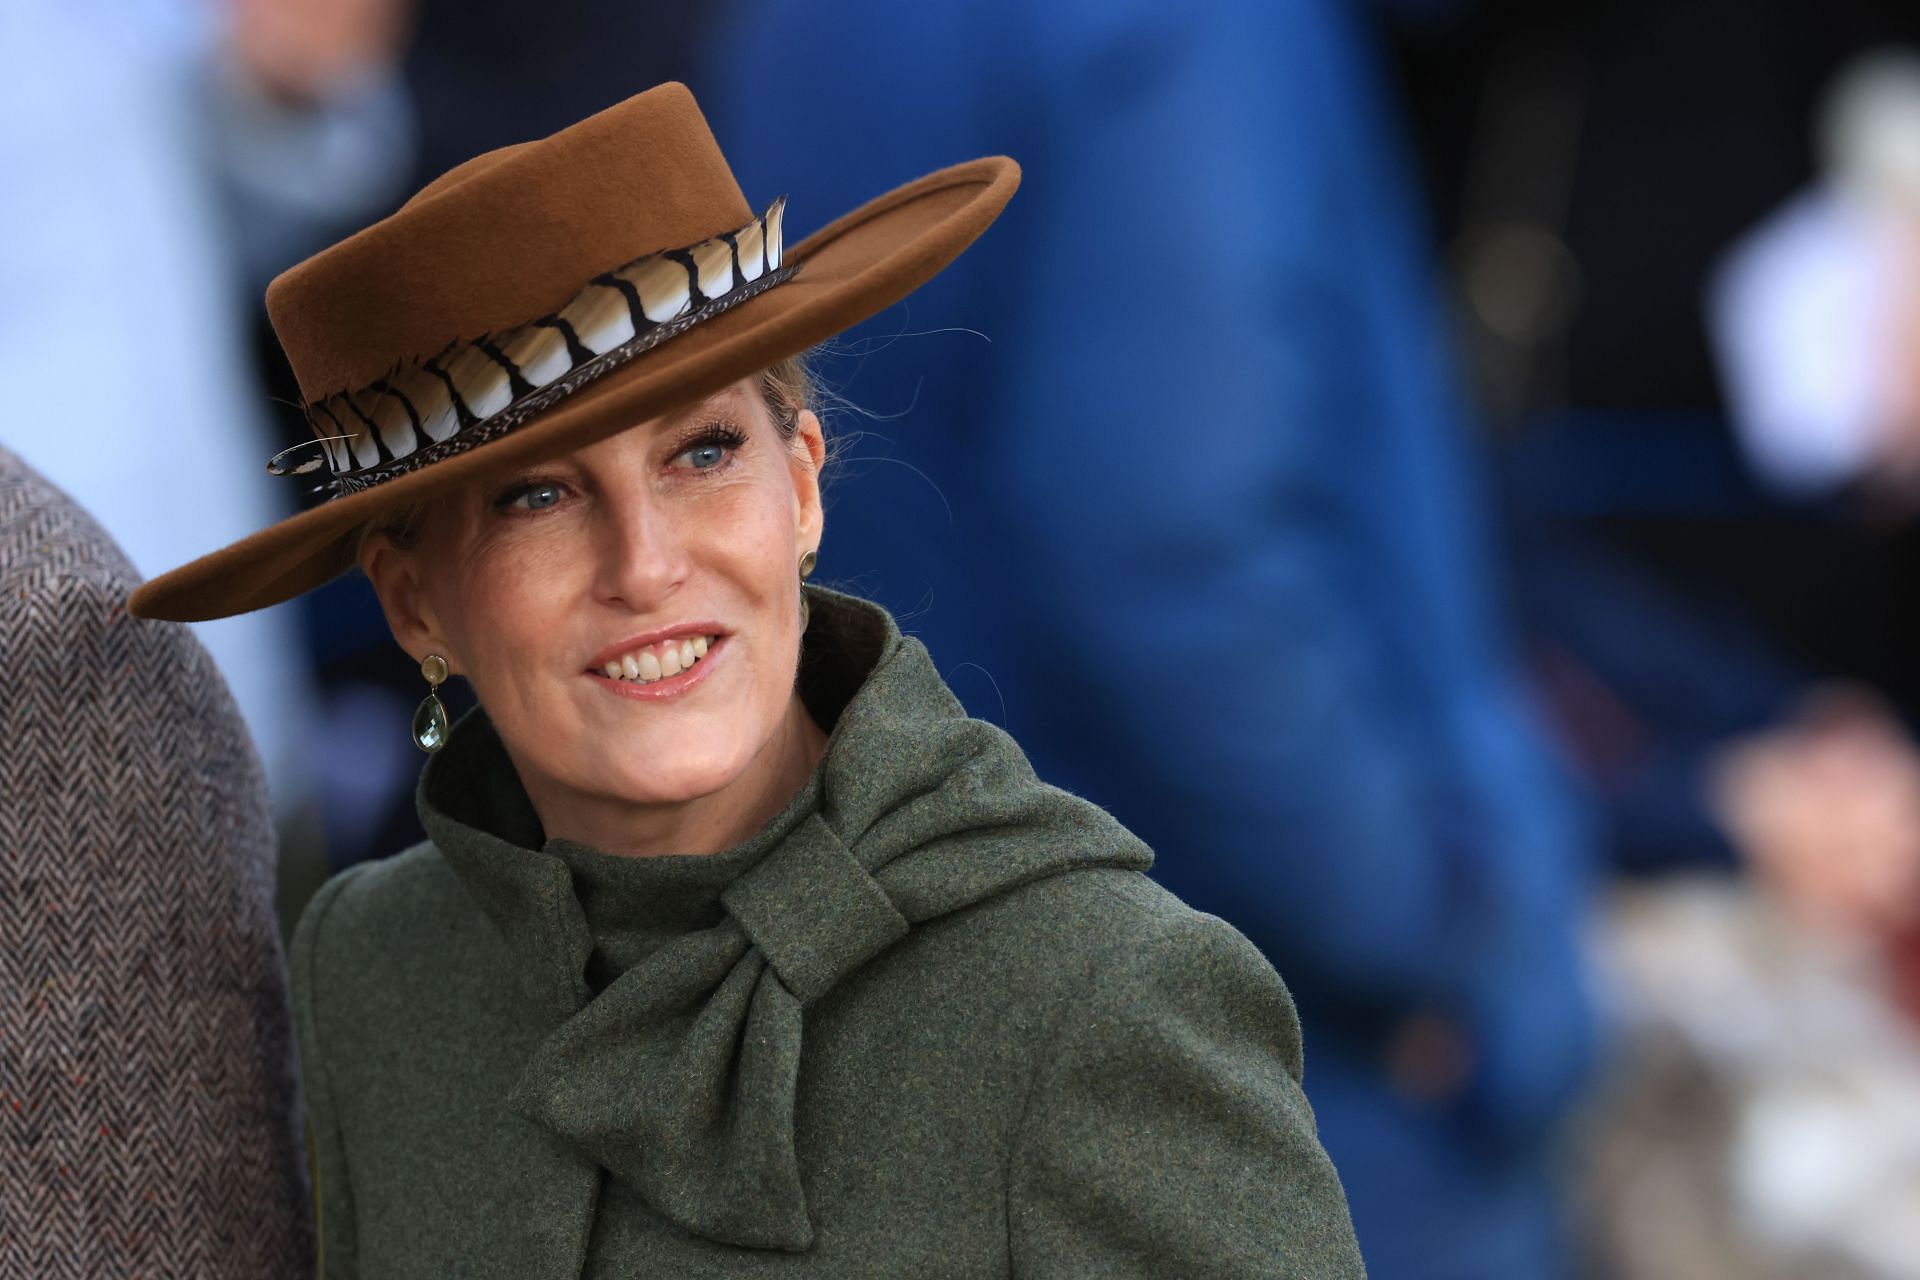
(148, 1093)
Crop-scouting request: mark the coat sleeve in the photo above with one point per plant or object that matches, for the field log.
(149, 1106)
(1166, 1133)
(332, 1189)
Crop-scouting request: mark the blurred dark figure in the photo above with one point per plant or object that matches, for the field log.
(1205, 534)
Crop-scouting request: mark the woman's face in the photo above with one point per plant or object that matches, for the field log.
(677, 538)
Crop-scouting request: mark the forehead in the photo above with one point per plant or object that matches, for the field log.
(733, 398)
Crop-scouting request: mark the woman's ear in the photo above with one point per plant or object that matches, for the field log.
(395, 575)
(809, 457)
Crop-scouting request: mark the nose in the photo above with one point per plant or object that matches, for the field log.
(641, 557)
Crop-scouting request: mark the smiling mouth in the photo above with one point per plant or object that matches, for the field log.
(662, 661)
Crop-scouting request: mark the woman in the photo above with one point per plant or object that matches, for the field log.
(735, 946)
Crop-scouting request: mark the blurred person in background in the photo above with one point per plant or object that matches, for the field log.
(164, 157)
(1815, 318)
(1199, 523)
(1682, 238)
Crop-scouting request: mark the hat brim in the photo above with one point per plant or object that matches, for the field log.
(849, 270)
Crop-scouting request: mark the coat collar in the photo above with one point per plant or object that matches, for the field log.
(680, 1076)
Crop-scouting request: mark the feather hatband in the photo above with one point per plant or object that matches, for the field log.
(476, 390)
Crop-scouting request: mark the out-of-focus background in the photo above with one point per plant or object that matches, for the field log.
(1445, 473)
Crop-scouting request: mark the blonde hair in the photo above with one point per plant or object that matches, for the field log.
(787, 387)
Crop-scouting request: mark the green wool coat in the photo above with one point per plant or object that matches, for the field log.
(931, 1021)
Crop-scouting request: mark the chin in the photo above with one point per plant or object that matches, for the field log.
(684, 780)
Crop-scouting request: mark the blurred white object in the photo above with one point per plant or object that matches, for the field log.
(1800, 313)
(1829, 1162)
(1869, 128)
(1813, 1067)
(1811, 314)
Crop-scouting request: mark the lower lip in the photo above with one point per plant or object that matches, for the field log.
(672, 686)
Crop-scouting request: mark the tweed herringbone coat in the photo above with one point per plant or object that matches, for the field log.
(148, 1106)
(930, 1021)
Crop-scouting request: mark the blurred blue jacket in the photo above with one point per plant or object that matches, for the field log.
(1198, 523)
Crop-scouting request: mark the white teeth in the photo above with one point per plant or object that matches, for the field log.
(643, 666)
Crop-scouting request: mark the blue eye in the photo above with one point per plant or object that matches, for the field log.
(712, 449)
(533, 497)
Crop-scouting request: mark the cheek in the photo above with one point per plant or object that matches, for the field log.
(743, 530)
(498, 601)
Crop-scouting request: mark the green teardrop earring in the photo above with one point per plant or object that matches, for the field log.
(807, 561)
(430, 721)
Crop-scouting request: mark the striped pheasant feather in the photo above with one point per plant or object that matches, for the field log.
(477, 389)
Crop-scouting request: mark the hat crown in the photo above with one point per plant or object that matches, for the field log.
(506, 237)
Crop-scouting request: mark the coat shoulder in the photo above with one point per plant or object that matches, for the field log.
(1143, 953)
(1101, 934)
(372, 910)
(1092, 917)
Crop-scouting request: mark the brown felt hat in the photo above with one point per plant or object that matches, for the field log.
(544, 296)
